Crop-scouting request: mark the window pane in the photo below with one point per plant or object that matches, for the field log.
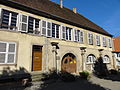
(44, 31)
(57, 31)
(24, 18)
(10, 58)
(43, 23)
(11, 47)
(53, 30)
(2, 47)
(24, 27)
(37, 23)
(2, 58)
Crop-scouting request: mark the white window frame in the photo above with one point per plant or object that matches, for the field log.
(49, 29)
(91, 59)
(75, 35)
(7, 52)
(81, 37)
(97, 40)
(44, 28)
(63, 32)
(20, 29)
(106, 59)
(104, 41)
(90, 38)
(110, 43)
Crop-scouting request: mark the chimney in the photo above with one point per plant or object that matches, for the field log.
(74, 10)
(61, 3)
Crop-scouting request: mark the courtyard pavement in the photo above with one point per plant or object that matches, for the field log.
(93, 84)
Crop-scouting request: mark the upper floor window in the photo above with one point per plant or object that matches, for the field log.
(90, 38)
(44, 28)
(63, 32)
(97, 40)
(68, 33)
(80, 36)
(109, 43)
(104, 42)
(23, 23)
(55, 30)
(7, 52)
(76, 35)
(33, 25)
(8, 20)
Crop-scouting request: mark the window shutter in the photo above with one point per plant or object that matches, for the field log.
(49, 31)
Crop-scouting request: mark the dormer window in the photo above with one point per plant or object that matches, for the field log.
(9, 20)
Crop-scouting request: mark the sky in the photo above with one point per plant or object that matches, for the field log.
(105, 13)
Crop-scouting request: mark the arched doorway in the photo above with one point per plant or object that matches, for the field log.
(69, 63)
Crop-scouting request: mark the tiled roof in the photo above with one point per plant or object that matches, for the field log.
(116, 41)
(54, 10)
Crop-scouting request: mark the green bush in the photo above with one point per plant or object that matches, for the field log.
(84, 75)
(113, 72)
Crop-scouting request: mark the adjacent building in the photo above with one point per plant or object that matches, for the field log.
(40, 35)
(116, 51)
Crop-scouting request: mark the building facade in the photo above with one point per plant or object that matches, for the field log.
(116, 51)
(40, 35)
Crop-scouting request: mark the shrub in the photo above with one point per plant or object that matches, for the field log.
(67, 77)
(113, 72)
(84, 75)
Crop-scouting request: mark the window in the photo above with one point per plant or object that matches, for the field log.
(49, 31)
(44, 25)
(75, 35)
(80, 36)
(23, 23)
(104, 42)
(118, 55)
(9, 20)
(55, 30)
(91, 59)
(33, 25)
(97, 40)
(109, 43)
(106, 59)
(7, 52)
(68, 33)
(63, 32)
(90, 38)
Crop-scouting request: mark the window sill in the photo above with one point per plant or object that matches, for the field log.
(8, 64)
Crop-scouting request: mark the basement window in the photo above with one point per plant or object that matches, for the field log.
(8, 20)
(7, 52)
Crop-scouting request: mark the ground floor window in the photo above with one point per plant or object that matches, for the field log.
(91, 59)
(106, 59)
(7, 52)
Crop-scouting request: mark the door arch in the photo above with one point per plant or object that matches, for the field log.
(68, 63)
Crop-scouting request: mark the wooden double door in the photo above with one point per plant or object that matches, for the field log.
(69, 64)
(37, 58)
